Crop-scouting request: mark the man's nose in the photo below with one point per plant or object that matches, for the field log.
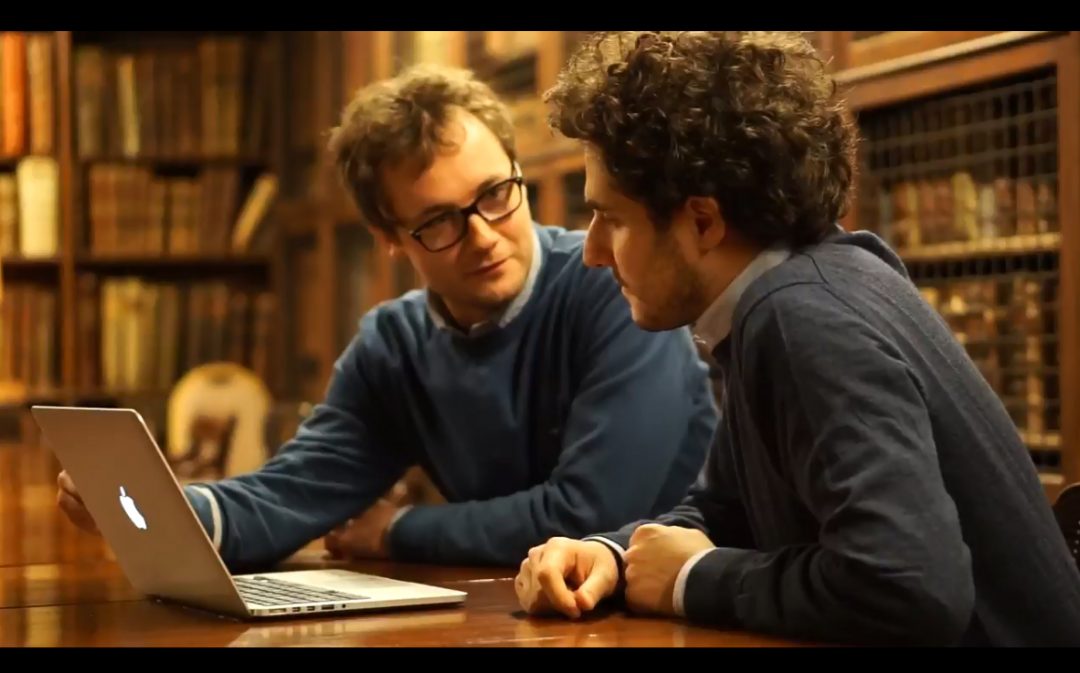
(483, 235)
(597, 252)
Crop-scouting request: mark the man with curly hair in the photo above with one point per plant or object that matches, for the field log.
(866, 485)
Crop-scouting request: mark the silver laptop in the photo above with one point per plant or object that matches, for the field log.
(141, 510)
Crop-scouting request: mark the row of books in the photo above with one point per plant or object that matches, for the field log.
(29, 209)
(142, 336)
(28, 336)
(27, 93)
(211, 98)
(1008, 325)
(934, 210)
(134, 210)
(134, 336)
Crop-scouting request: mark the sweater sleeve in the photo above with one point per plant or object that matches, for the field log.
(847, 421)
(335, 466)
(641, 413)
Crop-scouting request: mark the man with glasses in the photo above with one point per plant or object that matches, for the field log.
(516, 379)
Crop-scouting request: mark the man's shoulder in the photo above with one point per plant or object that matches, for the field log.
(393, 324)
(823, 277)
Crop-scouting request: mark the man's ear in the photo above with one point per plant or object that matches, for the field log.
(708, 221)
(387, 239)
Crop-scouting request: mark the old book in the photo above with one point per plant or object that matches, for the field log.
(254, 212)
(965, 207)
(1005, 205)
(168, 360)
(987, 216)
(209, 71)
(906, 210)
(42, 93)
(127, 97)
(89, 327)
(1025, 208)
(9, 216)
(945, 209)
(13, 77)
(1046, 217)
(90, 101)
(39, 208)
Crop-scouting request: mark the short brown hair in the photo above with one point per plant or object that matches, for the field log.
(403, 118)
(750, 119)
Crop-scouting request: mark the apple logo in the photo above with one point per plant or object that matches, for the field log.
(131, 510)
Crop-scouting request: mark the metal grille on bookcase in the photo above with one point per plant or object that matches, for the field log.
(964, 186)
(577, 215)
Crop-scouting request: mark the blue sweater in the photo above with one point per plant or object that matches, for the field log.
(566, 420)
(866, 484)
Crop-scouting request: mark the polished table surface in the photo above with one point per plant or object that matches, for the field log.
(61, 587)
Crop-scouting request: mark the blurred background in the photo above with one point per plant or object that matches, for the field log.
(173, 239)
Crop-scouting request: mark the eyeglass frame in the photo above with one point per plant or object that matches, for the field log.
(473, 208)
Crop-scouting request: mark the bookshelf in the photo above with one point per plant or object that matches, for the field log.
(138, 181)
(969, 168)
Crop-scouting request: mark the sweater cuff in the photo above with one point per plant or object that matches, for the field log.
(402, 511)
(407, 538)
(611, 544)
(208, 511)
(713, 585)
(677, 596)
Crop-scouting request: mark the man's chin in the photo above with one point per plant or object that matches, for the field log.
(650, 320)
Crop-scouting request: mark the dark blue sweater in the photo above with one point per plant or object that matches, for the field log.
(866, 484)
(567, 420)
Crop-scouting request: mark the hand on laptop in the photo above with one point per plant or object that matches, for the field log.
(567, 576)
(67, 496)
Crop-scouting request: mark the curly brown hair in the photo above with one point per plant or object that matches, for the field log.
(751, 119)
(404, 118)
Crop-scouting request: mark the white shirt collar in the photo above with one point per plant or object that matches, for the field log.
(715, 323)
(440, 316)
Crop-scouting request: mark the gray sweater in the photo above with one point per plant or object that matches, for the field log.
(866, 485)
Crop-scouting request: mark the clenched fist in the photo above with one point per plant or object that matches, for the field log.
(566, 576)
(653, 561)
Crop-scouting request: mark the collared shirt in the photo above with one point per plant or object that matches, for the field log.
(442, 319)
(715, 323)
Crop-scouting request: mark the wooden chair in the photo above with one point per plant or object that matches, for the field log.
(1067, 512)
(217, 417)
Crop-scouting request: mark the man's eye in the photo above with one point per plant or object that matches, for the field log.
(440, 221)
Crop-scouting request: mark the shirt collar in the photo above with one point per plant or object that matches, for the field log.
(714, 325)
(442, 319)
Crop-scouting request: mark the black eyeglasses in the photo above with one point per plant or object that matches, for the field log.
(494, 203)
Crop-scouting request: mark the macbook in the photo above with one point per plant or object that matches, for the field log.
(141, 510)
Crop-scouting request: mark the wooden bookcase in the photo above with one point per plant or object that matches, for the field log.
(157, 140)
(891, 78)
(970, 167)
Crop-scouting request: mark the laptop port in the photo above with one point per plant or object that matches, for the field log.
(311, 608)
(296, 609)
(328, 607)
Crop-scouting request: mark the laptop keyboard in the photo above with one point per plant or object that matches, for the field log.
(265, 591)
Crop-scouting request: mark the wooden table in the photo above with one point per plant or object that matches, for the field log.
(61, 587)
